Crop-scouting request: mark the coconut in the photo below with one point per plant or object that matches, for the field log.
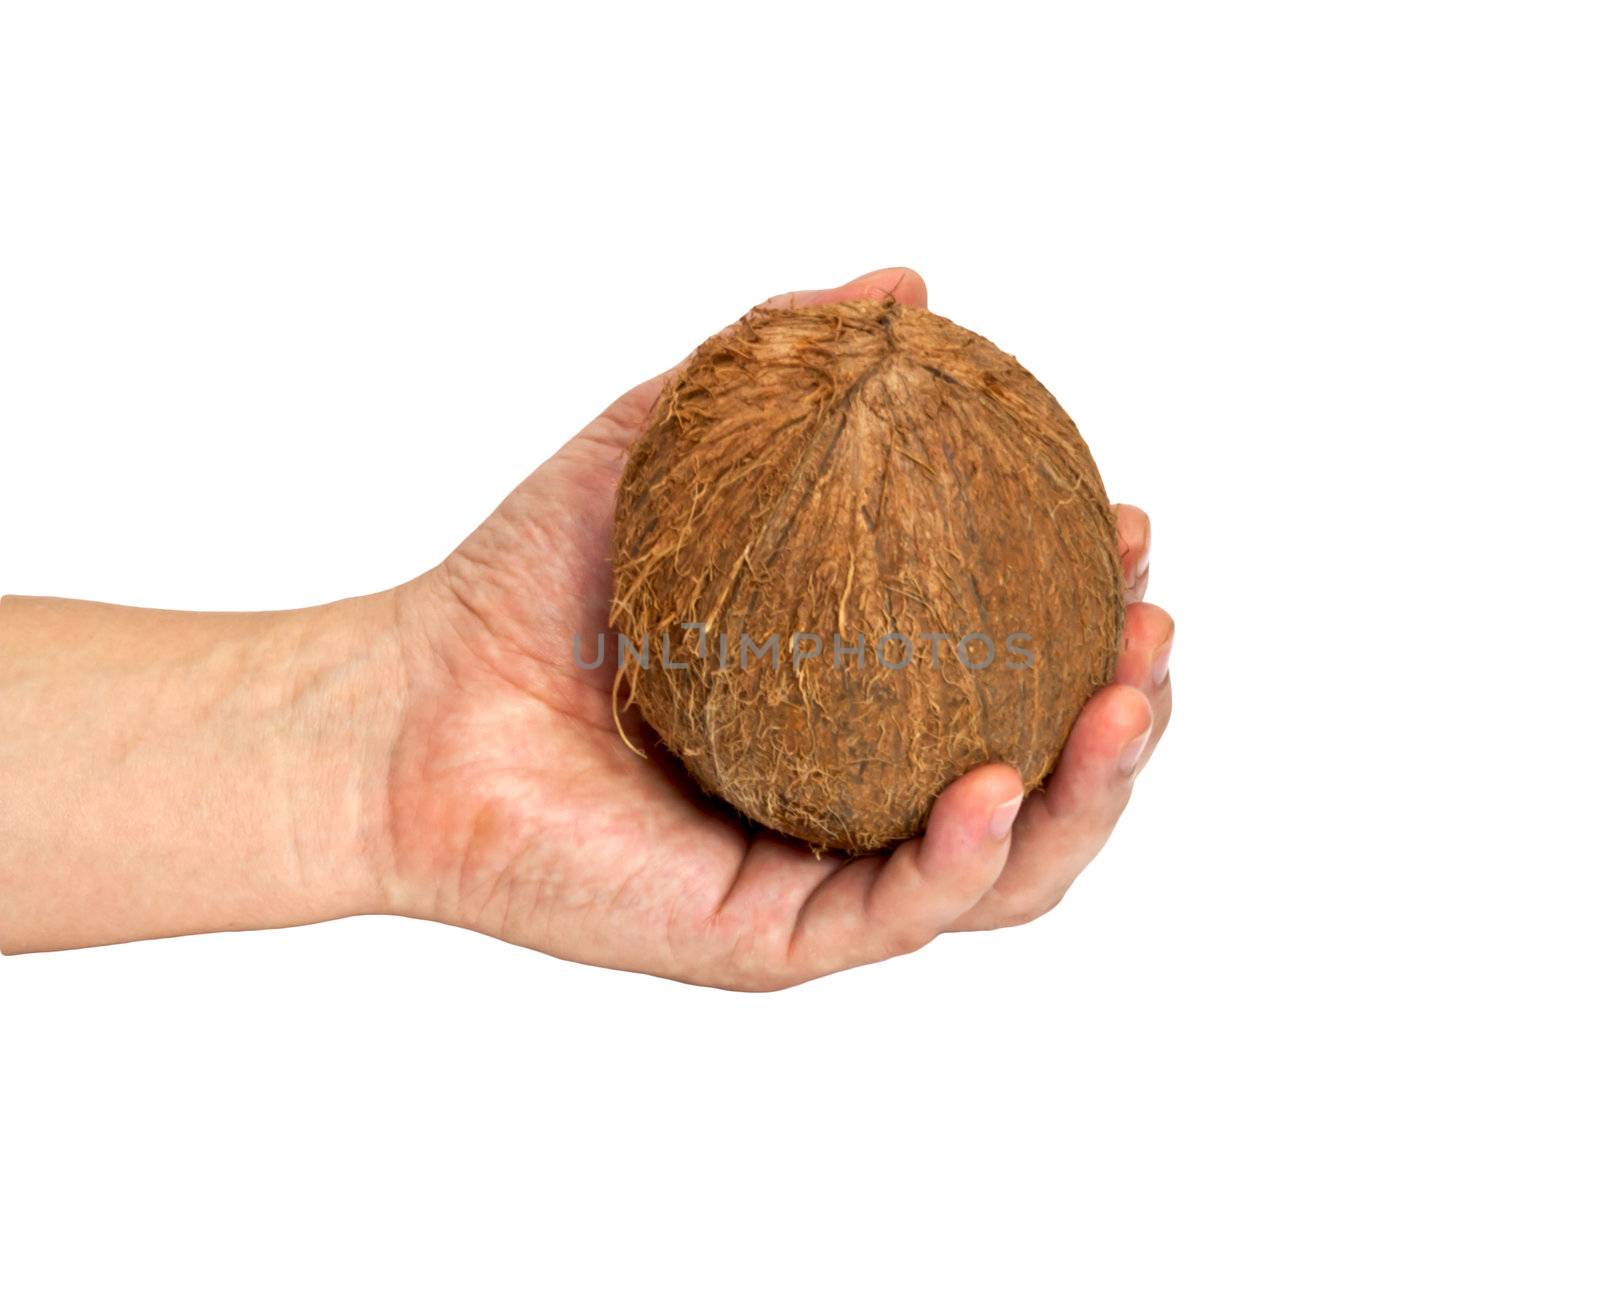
(858, 552)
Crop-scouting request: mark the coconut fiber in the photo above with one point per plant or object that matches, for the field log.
(832, 511)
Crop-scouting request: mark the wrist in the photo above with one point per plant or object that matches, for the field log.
(333, 689)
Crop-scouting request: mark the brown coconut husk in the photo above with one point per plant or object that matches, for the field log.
(861, 469)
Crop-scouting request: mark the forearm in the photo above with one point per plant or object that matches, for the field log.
(166, 773)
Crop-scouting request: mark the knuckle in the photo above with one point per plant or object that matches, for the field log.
(762, 979)
(1027, 910)
(902, 942)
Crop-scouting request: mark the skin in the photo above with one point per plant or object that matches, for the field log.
(434, 751)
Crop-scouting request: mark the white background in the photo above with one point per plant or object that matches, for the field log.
(291, 295)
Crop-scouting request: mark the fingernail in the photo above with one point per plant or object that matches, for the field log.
(1000, 821)
(1128, 760)
(1159, 666)
(1144, 565)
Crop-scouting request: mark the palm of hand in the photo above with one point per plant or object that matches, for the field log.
(517, 810)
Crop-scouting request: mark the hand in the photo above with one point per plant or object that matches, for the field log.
(515, 809)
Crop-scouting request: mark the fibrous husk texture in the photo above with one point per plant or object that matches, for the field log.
(852, 472)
